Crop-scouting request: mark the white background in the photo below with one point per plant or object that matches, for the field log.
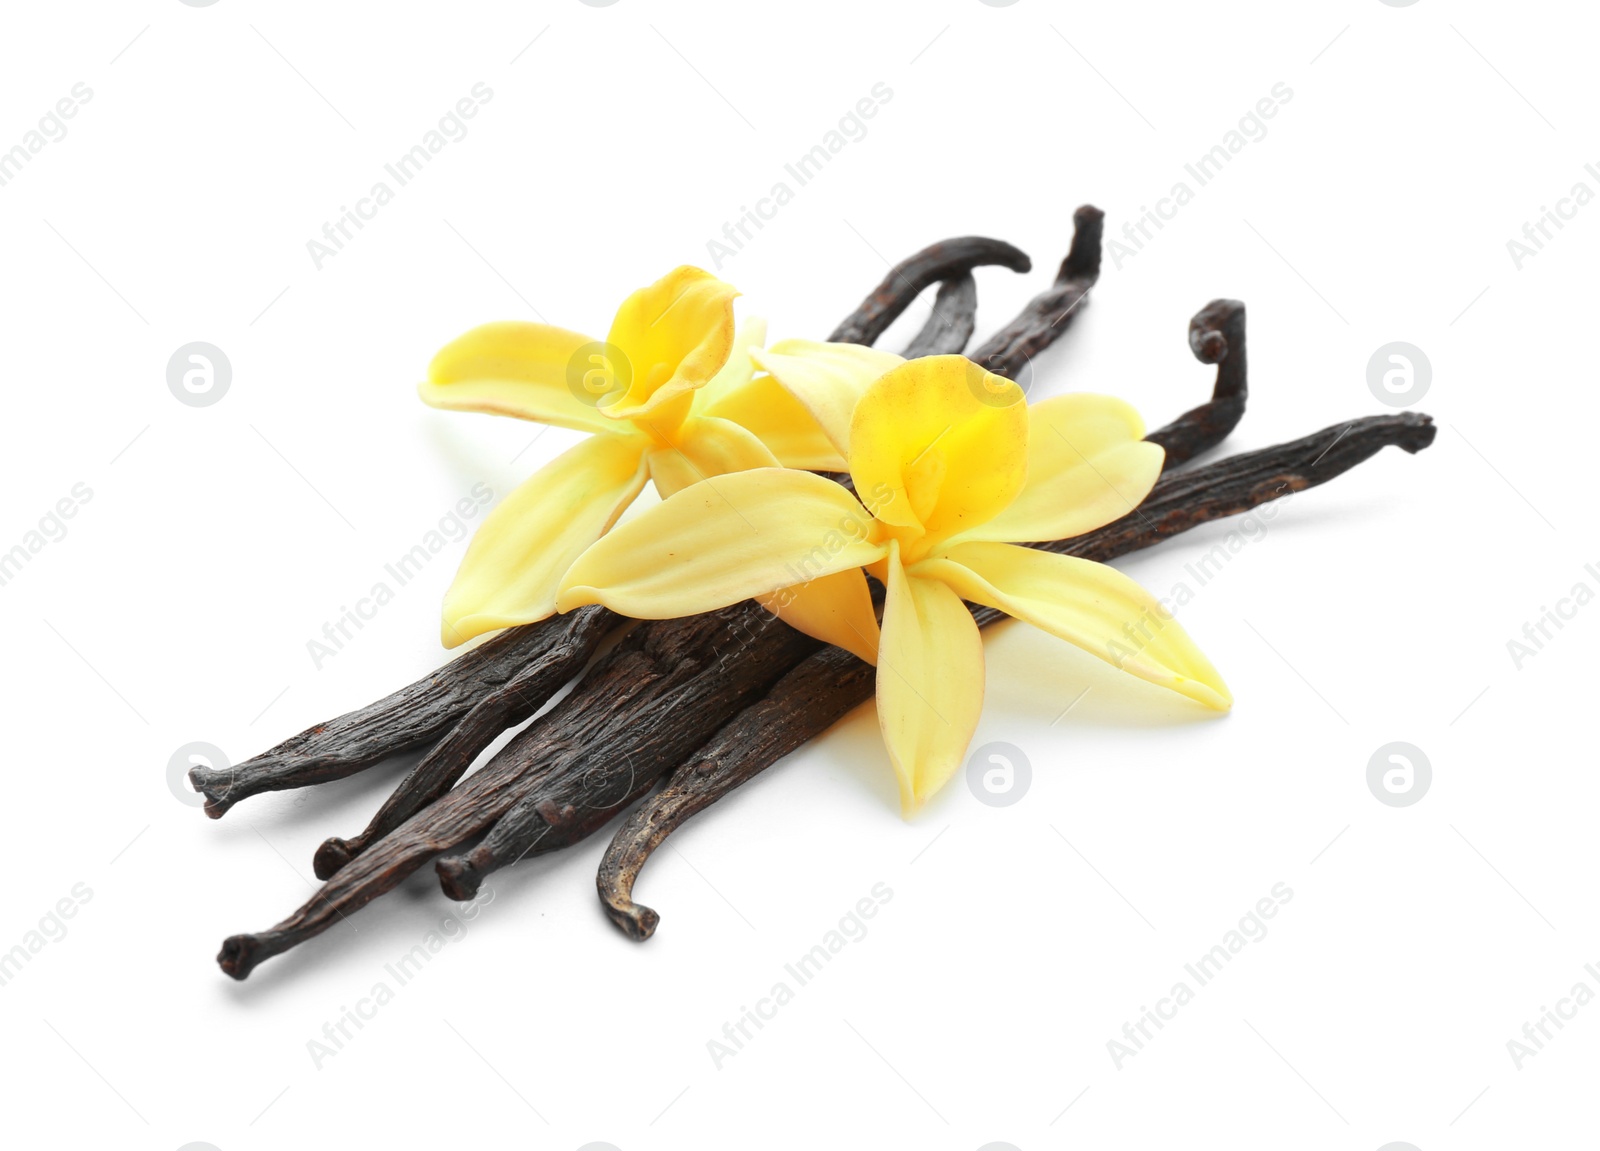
(977, 1009)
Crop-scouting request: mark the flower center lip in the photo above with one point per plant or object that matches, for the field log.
(914, 542)
(664, 424)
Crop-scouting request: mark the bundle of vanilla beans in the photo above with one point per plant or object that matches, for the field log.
(680, 712)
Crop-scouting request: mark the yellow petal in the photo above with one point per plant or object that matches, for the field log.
(939, 443)
(736, 373)
(673, 337)
(1085, 603)
(1088, 464)
(721, 541)
(828, 379)
(836, 609)
(519, 553)
(764, 407)
(930, 681)
(706, 446)
(516, 369)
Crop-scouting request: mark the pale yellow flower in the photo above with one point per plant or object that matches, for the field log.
(671, 396)
(954, 470)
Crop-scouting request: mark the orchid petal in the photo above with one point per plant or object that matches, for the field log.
(1088, 464)
(782, 423)
(673, 337)
(828, 379)
(930, 681)
(835, 608)
(513, 369)
(705, 446)
(720, 541)
(516, 559)
(738, 371)
(939, 443)
(1087, 604)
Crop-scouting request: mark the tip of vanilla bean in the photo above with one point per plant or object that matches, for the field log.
(459, 877)
(238, 956)
(1418, 431)
(1083, 258)
(331, 856)
(636, 921)
(215, 786)
(1210, 327)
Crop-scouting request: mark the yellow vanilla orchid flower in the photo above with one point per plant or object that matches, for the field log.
(953, 470)
(670, 396)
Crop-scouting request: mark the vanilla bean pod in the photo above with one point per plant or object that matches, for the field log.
(802, 705)
(1190, 497)
(1216, 336)
(412, 717)
(906, 280)
(1048, 315)
(652, 663)
(597, 778)
(634, 716)
(504, 707)
(824, 688)
(955, 315)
